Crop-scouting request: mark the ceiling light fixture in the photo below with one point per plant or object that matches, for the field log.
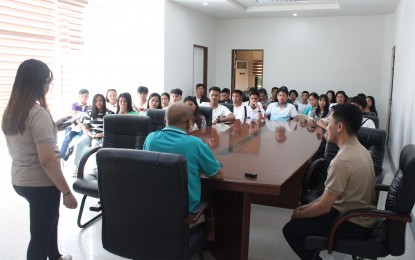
(205, 3)
(294, 15)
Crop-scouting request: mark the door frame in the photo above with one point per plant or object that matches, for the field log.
(205, 66)
(233, 63)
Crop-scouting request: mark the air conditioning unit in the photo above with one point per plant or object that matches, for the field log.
(241, 75)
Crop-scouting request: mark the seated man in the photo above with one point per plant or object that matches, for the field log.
(200, 94)
(174, 138)
(239, 109)
(78, 107)
(303, 105)
(350, 185)
(254, 109)
(142, 93)
(225, 95)
(361, 103)
(220, 113)
(281, 110)
(176, 95)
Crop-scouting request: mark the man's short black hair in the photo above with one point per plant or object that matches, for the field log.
(142, 90)
(305, 91)
(256, 93)
(359, 100)
(214, 88)
(200, 85)
(348, 114)
(281, 89)
(274, 88)
(237, 91)
(176, 91)
(294, 91)
(226, 90)
(83, 91)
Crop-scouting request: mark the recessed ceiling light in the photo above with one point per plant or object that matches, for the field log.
(205, 3)
(294, 15)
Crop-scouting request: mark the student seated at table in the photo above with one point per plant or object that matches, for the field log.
(361, 103)
(239, 109)
(281, 110)
(176, 95)
(199, 119)
(154, 102)
(142, 93)
(125, 104)
(350, 185)
(174, 138)
(254, 109)
(225, 95)
(220, 113)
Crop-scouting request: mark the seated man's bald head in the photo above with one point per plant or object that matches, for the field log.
(177, 114)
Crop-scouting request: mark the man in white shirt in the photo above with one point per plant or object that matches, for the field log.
(361, 103)
(239, 109)
(220, 113)
(304, 102)
(254, 109)
(142, 93)
(200, 94)
(281, 110)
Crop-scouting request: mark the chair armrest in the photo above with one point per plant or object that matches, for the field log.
(84, 159)
(382, 187)
(369, 212)
(311, 171)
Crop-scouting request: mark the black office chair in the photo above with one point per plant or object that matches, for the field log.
(374, 140)
(368, 114)
(157, 118)
(121, 131)
(207, 112)
(144, 198)
(228, 105)
(388, 235)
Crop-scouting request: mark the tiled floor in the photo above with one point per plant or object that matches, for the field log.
(266, 239)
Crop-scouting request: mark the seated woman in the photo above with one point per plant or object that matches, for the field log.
(322, 110)
(154, 101)
(165, 100)
(198, 118)
(111, 99)
(331, 96)
(313, 100)
(125, 104)
(371, 107)
(263, 98)
(93, 128)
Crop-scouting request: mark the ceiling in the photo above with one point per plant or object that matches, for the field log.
(223, 9)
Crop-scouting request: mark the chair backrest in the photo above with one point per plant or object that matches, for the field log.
(207, 112)
(401, 199)
(144, 199)
(375, 120)
(375, 142)
(228, 105)
(368, 114)
(157, 119)
(125, 131)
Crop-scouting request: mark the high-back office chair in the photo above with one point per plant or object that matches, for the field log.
(121, 131)
(388, 235)
(207, 112)
(228, 105)
(144, 198)
(374, 140)
(157, 118)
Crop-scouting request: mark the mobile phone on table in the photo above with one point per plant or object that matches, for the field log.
(250, 175)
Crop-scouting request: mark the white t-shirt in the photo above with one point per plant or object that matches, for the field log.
(302, 107)
(277, 113)
(253, 113)
(368, 123)
(220, 110)
(239, 112)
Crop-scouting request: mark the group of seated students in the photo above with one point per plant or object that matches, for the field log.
(250, 105)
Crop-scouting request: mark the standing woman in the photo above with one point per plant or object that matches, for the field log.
(36, 174)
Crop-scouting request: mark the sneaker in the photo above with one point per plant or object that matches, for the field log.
(68, 153)
(65, 257)
(74, 171)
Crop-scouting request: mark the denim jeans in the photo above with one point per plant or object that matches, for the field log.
(44, 217)
(69, 135)
(297, 230)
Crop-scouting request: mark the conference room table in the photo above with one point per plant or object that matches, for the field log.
(277, 152)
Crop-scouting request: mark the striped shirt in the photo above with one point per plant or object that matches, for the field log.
(95, 124)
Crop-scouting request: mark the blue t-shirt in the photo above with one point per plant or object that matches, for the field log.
(198, 155)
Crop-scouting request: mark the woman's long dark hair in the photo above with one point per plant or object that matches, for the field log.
(373, 106)
(197, 115)
(127, 97)
(94, 110)
(109, 90)
(326, 107)
(154, 95)
(333, 96)
(28, 87)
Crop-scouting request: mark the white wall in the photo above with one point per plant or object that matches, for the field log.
(183, 29)
(317, 54)
(403, 108)
(124, 46)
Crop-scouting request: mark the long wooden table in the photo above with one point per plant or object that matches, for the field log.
(278, 152)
